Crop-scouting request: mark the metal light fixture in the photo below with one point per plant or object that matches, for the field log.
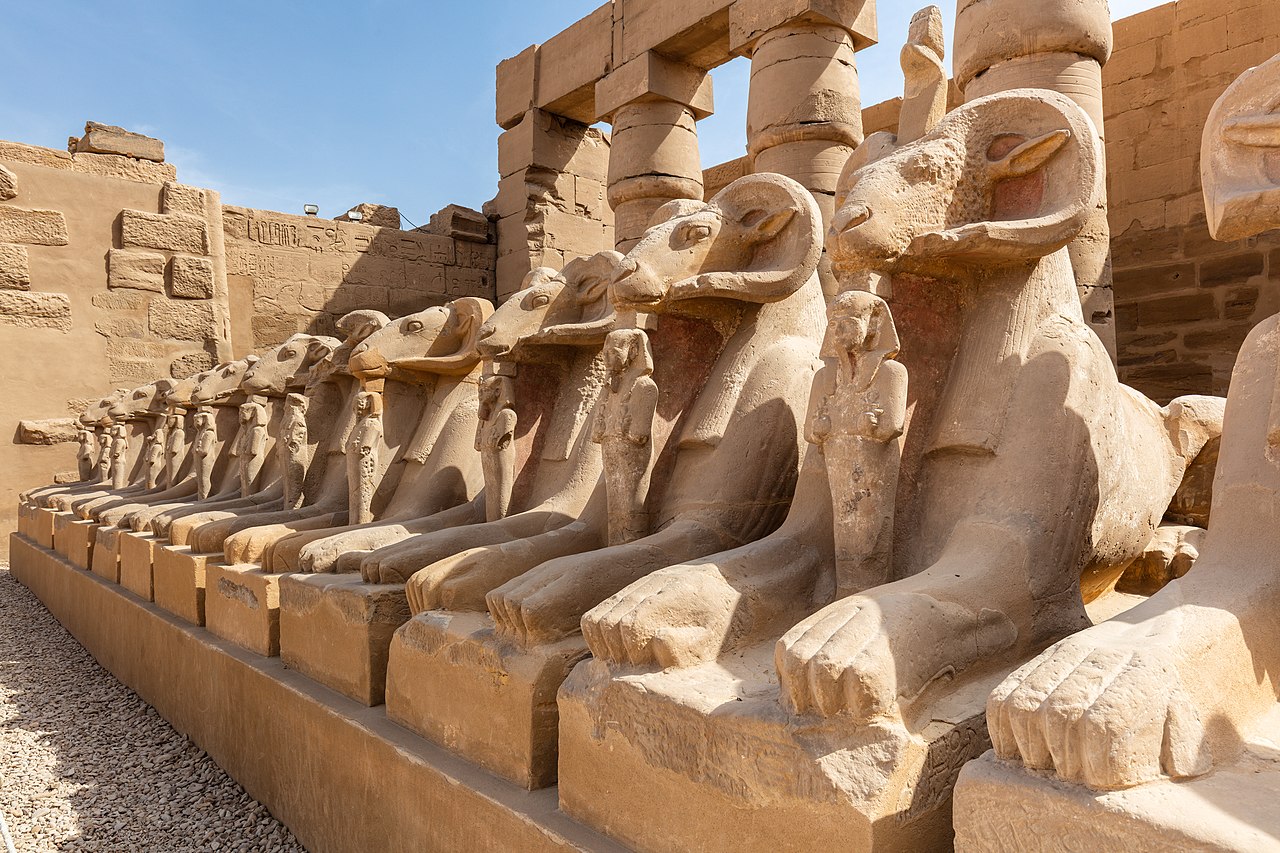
(311, 209)
(355, 215)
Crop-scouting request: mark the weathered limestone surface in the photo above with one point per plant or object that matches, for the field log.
(109, 139)
(172, 232)
(15, 268)
(191, 278)
(135, 270)
(53, 431)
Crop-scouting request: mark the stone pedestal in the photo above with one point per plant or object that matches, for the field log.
(74, 539)
(75, 542)
(337, 630)
(712, 747)
(42, 530)
(178, 580)
(1002, 806)
(453, 680)
(137, 553)
(242, 605)
(136, 575)
(26, 515)
(105, 558)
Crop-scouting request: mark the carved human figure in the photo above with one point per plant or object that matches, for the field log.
(857, 413)
(297, 451)
(1175, 687)
(155, 453)
(175, 448)
(251, 444)
(203, 448)
(119, 456)
(496, 444)
(624, 429)
(362, 456)
(86, 452)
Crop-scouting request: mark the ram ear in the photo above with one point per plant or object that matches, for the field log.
(782, 225)
(1059, 149)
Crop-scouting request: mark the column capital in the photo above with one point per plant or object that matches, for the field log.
(751, 19)
(652, 76)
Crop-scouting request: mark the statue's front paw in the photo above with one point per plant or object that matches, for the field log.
(679, 616)
(838, 661)
(866, 654)
(531, 610)
(1103, 713)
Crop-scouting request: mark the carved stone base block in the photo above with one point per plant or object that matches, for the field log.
(178, 579)
(136, 573)
(75, 541)
(105, 559)
(137, 553)
(26, 520)
(61, 539)
(337, 629)
(712, 748)
(446, 666)
(42, 532)
(242, 605)
(1001, 806)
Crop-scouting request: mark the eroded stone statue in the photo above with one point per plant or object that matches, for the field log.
(1181, 684)
(994, 549)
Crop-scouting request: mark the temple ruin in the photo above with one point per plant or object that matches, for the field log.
(906, 484)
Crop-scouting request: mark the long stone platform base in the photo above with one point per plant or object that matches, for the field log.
(712, 748)
(444, 666)
(337, 629)
(242, 605)
(342, 777)
(178, 580)
(1002, 806)
(73, 539)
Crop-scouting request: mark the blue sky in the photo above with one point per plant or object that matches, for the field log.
(285, 102)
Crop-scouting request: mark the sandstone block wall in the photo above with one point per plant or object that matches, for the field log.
(108, 278)
(1184, 302)
(291, 273)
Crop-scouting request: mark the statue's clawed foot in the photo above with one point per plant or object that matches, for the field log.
(675, 617)
(1106, 708)
(867, 655)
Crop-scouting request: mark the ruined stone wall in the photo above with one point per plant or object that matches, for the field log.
(111, 275)
(1184, 302)
(291, 273)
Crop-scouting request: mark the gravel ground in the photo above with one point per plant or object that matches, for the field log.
(87, 765)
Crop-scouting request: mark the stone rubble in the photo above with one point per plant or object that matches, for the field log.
(86, 765)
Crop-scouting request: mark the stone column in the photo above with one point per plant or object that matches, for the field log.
(653, 104)
(1048, 44)
(804, 111)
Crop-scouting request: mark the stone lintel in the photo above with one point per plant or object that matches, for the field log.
(654, 76)
(750, 19)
